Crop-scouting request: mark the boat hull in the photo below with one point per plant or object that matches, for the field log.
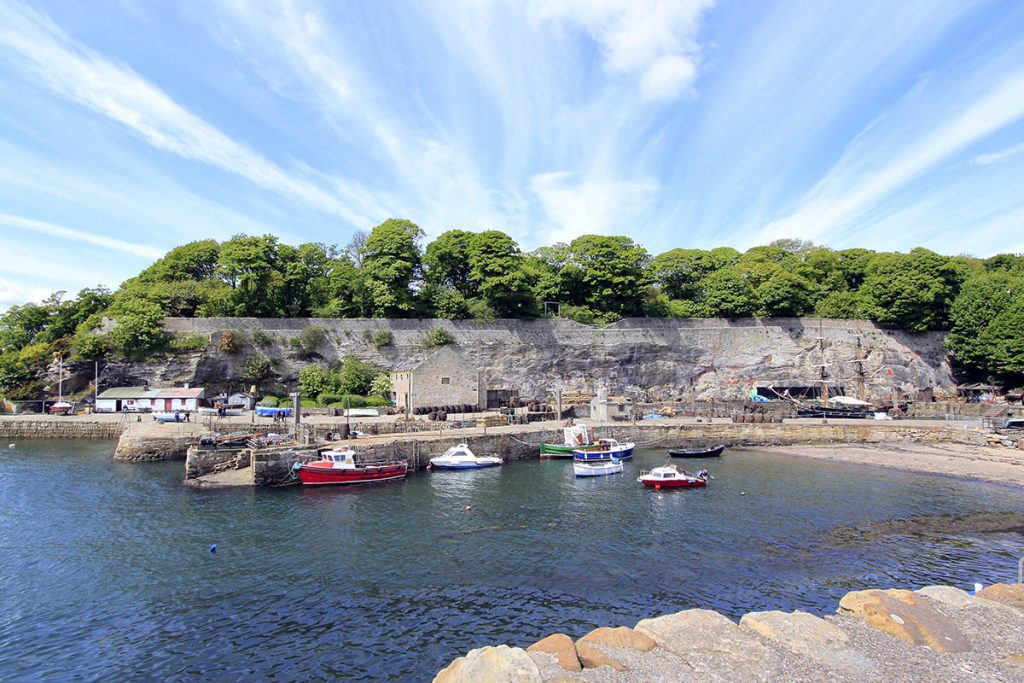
(596, 469)
(621, 453)
(462, 466)
(326, 476)
(552, 450)
(673, 483)
(706, 453)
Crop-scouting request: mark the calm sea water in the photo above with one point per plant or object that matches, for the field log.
(105, 569)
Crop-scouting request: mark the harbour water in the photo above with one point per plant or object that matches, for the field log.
(106, 570)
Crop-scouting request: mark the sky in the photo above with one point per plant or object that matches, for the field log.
(128, 127)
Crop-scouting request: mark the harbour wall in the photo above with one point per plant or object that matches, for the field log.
(272, 467)
(15, 428)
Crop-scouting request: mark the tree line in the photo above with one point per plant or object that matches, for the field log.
(388, 272)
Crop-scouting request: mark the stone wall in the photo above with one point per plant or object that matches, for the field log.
(14, 428)
(203, 461)
(663, 359)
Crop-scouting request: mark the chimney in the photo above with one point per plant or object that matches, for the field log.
(186, 385)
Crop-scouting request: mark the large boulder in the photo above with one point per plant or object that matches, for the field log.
(620, 636)
(561, 646)
(907, 616)
(591, 657)
(501, 664)
(708, 641)
(799, 632)
(949, 596)
(1011, 594)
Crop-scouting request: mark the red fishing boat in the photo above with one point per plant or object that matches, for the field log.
(339, 467)
(671, 477)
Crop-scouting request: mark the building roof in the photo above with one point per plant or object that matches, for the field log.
(148, 392)
(413, 363)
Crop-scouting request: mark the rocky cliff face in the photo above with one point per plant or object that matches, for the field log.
(660, 358)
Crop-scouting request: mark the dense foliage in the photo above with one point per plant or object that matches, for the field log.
(388, 272)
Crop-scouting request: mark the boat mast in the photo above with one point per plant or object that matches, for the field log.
(861, 390)
(824, 375)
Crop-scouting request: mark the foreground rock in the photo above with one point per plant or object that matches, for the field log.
(498, 664)
(876, 635)
(907, 616)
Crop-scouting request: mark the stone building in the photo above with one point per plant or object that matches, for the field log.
(444, 377)
(145, 399)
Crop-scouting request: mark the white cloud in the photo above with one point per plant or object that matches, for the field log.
(653, 39)
(114, 90)
(856, 184)
(575, 208)
(997, 157)
(83, 236)
(16, 294)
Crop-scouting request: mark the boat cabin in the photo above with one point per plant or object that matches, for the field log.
(337, 459)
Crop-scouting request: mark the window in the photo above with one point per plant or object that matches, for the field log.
(446, 380)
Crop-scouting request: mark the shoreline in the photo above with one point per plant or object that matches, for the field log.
(964, 461)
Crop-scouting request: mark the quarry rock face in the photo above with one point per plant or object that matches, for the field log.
(659, 359)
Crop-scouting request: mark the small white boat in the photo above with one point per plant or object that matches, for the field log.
(669, 476)
(597, 469)
(461, 458)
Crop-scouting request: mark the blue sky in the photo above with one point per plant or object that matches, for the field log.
(128, 127)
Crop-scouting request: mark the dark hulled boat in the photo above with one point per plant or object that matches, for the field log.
(712, 452)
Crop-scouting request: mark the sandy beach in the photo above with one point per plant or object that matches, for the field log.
(1001, 465)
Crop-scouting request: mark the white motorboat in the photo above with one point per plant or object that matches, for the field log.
(462, 458)
(597, 469)
(670, 476)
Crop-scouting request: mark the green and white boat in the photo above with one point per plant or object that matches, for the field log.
(576, 438)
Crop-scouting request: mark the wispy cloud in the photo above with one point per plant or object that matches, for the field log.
(997, 157)
(16, 293)
(853, 187)
(117, 92)
(83, 236)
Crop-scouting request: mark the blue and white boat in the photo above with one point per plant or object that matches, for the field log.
(604, 449)
(598, 468)
(461, 458)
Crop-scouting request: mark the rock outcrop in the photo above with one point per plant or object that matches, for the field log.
(876, 635)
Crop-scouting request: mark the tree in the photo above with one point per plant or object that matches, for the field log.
(727, 293)
(678, 271)
(783, 294)
(313, 381)
(912, 291)
(978, 343)
(381, 385)
(447, 263)
(139, 328)
(605, 274)
(496, 271)
(355, 376)
(248, 264)
(391, 263)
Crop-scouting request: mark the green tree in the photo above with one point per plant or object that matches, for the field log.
(678, 272)
(447, 265)
(313, 381)
(727, 293)
(782, 293)
(391, 263)
(355, 376)
(975, 348)
(912, 291)
(381, 385)
(605, 273)
(248, 265)
(139, 328)
(496, 271)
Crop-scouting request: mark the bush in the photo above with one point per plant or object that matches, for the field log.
(439, 337)
(270, 402)
(188, 342)
(89, 345)
(231, 341)
(261, 338)
(139, 328)
(255, 369)
(381, 386)
(313, 381)
(382, 338)
(311, 338)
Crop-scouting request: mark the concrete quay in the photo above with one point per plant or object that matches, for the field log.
(936, 633)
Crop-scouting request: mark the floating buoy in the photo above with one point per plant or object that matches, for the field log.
(468, 508)
(10, 445)
(743, 493)
(213, 548)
